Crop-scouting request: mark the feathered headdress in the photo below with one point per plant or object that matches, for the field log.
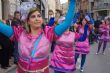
(89, 19)
(24, 9)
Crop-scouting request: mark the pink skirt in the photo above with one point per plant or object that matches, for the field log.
(37, 66)
(63, 59)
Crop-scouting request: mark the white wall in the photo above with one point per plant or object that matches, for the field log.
(46, 8)
(109, 13)
(29, 0)
(58, 4)
(5, 9)
(13, 5)
(51, 5)
(8, 7)
(0, 10)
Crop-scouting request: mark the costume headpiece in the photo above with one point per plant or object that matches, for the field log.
(24, 9)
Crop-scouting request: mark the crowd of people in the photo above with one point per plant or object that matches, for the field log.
(67, 36)
(9, 47)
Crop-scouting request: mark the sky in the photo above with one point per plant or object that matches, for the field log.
(63, 1)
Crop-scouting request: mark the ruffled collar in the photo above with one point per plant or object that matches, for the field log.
(67, 33)
(30, 36)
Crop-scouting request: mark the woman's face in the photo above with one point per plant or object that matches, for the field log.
(35, 20)
(84, 22)
(57, 15)
(107, 21)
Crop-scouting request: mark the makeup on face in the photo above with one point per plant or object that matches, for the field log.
(35, 19)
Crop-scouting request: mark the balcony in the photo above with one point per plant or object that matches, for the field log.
(101, 6)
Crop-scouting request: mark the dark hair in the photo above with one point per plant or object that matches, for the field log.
(59, 11)
(81, 19)
(50, 10)
(16, 12)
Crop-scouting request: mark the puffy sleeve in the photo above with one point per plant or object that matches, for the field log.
(9, 31)
(50, 34)
(77, 35)
(101, 28)
(17, 32)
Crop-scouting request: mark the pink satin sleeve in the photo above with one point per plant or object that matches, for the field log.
(17, 32)
(77, 35)
(50, 34)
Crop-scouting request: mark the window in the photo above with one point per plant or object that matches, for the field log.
(24, 0)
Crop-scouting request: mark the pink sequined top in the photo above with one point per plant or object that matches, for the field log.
(26, 42)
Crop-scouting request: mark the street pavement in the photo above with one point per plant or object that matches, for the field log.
(97, 63)
(94, 63)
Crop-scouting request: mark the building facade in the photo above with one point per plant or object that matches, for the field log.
(82, 5)
(97, 8)
(64, 7)
(51, 5)
(43, 6)
(10, 6)
(58, 4)
(100, 8)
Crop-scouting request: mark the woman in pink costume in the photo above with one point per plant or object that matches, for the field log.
(63, 57)
(34, 42)
(104, 37)
(83, 48)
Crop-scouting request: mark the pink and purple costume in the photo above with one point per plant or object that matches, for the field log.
(82, 47)
(39, 62)
(63, 55)
(104, 30)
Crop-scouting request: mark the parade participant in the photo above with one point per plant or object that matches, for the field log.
(83, 48)
(104, 30)
(62, 59)
(53, 21)
(33, 42)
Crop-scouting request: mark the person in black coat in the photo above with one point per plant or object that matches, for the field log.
(5, 46)
(16, 22)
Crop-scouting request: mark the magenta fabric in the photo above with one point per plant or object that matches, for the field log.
(63, 56)
(26, 43)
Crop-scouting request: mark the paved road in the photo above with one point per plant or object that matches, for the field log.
(95, 63)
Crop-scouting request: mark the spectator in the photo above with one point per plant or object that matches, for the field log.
(9, 20)
(4, 51)
(16, 20)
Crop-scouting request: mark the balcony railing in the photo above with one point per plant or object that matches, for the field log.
(102, 6)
